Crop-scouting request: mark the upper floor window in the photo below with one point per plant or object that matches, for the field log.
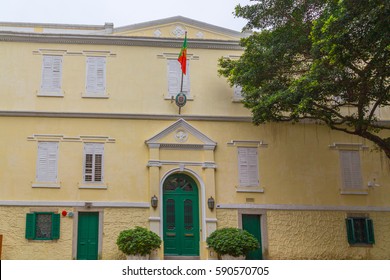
(175, 78)
(237, 93)
(51, 75)
(351, 174)
(248, 167)
(47, 162)
(93, 162)
(96, 76)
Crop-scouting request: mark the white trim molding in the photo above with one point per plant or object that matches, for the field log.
(299, 207)
(159, 163)
(43, 203)
(63, 138)
(348, 146)
(247, 143)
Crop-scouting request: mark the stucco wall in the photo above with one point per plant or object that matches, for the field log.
(322, 235)
(16, 247)
(227, 218)
(314, 235)
(116, 220)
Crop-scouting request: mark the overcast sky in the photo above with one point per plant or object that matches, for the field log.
(120, 12)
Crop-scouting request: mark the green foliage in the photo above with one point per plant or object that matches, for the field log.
(138, 241)
(310, 59)
(232, 241)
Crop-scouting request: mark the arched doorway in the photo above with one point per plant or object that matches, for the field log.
(180, 216)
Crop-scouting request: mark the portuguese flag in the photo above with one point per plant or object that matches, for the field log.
(183, 56)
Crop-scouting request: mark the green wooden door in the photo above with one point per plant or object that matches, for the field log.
(181, 216)
(88, 236)
(251, 223)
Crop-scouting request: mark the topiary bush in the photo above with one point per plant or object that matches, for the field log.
(138, 241)
(232, 241)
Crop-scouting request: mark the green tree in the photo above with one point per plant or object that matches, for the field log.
(316, 59)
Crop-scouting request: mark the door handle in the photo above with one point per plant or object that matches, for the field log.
(188, 234)
(171, 234)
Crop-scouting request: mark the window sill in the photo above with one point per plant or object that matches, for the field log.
(50, 94)
(47, 185)
(93, 186)
(249, 190)
(365, 245)
(95, 95)
(42, 240)
(354, 192)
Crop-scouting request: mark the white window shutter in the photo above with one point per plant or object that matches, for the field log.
(93, 162)
(47, 162)
(248, 167)
(351, 170)
(174, 78)
(237, 95)
(96, 75)
(51, 74)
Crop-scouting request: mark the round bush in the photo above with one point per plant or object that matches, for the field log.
(138, 241)
(232, 241)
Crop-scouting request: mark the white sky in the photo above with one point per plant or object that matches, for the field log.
(120, 12)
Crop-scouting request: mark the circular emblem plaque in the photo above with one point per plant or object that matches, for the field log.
(180, 99)
(181, 135)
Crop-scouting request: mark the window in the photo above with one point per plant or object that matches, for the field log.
(96, 76)
(93, 162)
(350, 170)
(42, 226)
(174, 78)
(248, 167)
(51, 75)
(47, 162)
(360, 230)
(237, 93)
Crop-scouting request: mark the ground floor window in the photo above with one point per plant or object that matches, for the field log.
(360, 230)
(42, 226)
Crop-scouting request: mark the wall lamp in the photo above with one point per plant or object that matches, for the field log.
(211, 203)
(154, 201)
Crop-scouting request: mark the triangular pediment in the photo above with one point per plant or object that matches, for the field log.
(181, 135)
(175, 27)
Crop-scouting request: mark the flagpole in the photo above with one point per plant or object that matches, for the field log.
(182, 78)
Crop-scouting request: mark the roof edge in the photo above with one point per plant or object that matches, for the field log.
(182, 19)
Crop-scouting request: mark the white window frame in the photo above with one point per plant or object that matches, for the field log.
(248, 167)
(95, 81)
(174, 74)
(47, 165)
(93, 149)
(51, 82)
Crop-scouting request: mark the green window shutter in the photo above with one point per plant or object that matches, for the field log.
(370, 231)
(55, 226)
(30, 225)
(350, 231)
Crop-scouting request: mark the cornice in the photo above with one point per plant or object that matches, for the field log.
(117, 40)
(47, 114)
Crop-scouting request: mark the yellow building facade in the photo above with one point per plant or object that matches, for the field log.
(91, 133)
